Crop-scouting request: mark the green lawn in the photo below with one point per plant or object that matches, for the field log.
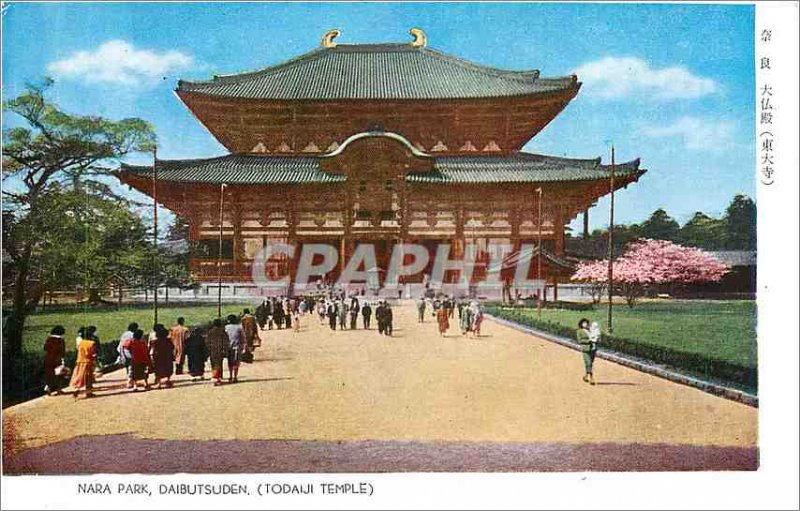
(111, 323)
(725, 330)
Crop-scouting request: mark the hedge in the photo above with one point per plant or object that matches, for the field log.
(697, 364)
(531, 304)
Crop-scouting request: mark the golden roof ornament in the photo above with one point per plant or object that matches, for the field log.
(329, 36)
(420, 39)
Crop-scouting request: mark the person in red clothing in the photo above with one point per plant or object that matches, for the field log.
(54, 350)
(140, 360)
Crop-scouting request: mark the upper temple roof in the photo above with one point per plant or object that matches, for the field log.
(378, 71)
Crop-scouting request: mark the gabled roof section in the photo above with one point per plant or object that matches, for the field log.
(521, 168)
(377, 71)
(237, 169)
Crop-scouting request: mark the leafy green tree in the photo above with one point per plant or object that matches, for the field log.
(704, 232)
(49, 151)
(740, 224)
(660, 226)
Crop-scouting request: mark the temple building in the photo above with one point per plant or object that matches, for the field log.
(375, 143)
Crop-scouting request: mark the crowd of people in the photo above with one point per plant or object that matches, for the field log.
(153, 359)
(332, 307)
(470, 314)
(158, 355)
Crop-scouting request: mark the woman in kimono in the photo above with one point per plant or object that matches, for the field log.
(477, 319)
(196, 354)
(83, 374)
(235, 348)
(163, 356)
(140, 360)
(54, 350)
(217, 343)
(442, 320)
(588, 348)
(250, 327)
(466, 320)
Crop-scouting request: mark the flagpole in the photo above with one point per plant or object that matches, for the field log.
(543, 290)
(155, 235)
(611, 246)
(219, 251)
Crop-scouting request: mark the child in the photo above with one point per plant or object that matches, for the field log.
(594, 335)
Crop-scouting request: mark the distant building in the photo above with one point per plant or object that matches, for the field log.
(739, 283)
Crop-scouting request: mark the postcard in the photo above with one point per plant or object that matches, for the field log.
(377, 254)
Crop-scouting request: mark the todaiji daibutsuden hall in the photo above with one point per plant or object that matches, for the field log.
(375, 143)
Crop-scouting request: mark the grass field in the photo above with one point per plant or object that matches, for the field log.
(725, 330)
(111, 323)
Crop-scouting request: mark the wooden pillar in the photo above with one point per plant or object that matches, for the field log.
(291, 239)
(346, 245)
(558, 230)
(586, 223)
(238, 246)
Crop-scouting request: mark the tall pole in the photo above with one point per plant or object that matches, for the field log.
(611, 246)
(155, 236)
(539, 257)
(219, 251)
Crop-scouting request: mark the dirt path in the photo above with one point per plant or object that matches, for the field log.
(414, 389)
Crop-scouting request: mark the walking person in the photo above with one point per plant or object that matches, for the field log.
(278, 313)
(477, 319)
(354, 309)
(235, 348)
(449, 306)
(83, 373)
(163, 357)
(261, 314)
(287, 312)
(380, 317)
(366, 314)
(196, 354)
(332, 315)
(178, 335)
(421, 306)
(296, 320)
(342, 314)
(217, 343)
(321, 308)
(250, 328)
(54, 351)
(588, 348)
(466, 319)
(269, 311)
(443, 321)
(124, 351)
(387, 319)
(140, 360)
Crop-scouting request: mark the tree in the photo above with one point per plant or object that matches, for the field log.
(704, 232)
(740, 224)
(660, 226)
(50, 151)
(174, 253)
(651, 262)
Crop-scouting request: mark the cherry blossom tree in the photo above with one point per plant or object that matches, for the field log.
(648, 263)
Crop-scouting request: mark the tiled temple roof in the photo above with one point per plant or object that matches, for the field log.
(258, 169)
(378, 71)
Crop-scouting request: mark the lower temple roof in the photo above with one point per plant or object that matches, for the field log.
(251, 169)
